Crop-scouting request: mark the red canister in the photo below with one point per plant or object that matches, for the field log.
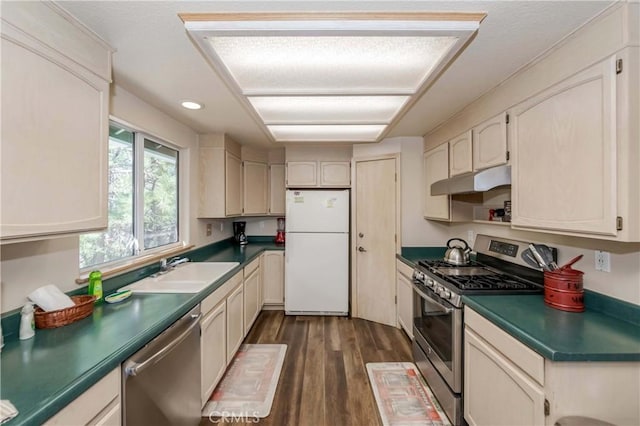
(563, 289)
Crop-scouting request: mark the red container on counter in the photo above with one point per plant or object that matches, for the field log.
(563, 289)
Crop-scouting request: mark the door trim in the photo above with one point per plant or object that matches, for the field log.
(354, 210)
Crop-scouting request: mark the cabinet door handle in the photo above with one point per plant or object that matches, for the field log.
(361, 235)
(361, 249)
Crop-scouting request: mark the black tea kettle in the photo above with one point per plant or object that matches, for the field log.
(457, 255)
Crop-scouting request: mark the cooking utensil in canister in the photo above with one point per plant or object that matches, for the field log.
(538, 257)
(457, 255)
(571, 262)
(547, 255)
(527, 256)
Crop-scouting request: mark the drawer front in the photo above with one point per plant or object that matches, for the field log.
(404, 269)
(255, 263)
(221, 293)
(529, 361)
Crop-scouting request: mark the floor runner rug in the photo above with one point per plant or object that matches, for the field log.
(249, 385)
(402, 396)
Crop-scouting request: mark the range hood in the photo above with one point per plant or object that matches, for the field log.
(480, 181)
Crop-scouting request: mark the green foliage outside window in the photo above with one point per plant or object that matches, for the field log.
(159, 206)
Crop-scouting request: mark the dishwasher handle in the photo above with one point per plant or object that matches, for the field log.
(136, 368)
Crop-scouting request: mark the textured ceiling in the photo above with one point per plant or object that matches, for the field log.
(156, 60)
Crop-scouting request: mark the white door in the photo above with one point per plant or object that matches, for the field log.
(376, 209)
(317, 273)
(317, 211)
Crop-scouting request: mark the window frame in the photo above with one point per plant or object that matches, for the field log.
(139, 252)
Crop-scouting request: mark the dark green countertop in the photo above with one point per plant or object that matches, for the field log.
(410, 255)
(42, 375)
(608, 330)
(563, 336)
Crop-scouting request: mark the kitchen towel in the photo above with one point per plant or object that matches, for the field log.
(50, 298)
(7, 411)
(249, 385)
(402, 396)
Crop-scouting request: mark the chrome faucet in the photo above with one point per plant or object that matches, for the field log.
(167, 265)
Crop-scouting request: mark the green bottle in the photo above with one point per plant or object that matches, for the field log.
(95, 285)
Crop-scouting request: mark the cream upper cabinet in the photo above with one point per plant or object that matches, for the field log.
(233, 185)
(461, 154)
(55, 120)
(277, 189)
(335, 174)
(564, 155)
(302, 173)
(405, 297)
(220, 177)
(321, 174)
(273, 278)
(255, 188)
(490, 143)
(435, 168)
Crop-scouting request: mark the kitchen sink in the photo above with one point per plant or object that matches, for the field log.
(186, 278)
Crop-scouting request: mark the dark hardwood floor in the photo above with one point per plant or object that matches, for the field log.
(324, 379)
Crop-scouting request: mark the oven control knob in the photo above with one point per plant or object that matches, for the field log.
(430, 282)
(445, 293)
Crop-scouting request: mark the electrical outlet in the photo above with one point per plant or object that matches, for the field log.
(221, 226)
(603, 261)
(209, 230)
(262, 224)
(470, 237)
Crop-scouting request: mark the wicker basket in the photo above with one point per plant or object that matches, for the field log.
(53, 319)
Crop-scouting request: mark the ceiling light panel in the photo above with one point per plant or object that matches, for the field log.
(330, 64)
(327, 109)
(326, 133)
(320, 77)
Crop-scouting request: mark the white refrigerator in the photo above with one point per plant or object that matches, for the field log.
(316, 273)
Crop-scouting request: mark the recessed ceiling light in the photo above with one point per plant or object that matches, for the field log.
(330, 76)
(192, 105)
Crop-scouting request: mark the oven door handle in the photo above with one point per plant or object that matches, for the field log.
(446, 309)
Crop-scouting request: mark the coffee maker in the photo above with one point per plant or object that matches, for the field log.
(239, 233)
(280, 233)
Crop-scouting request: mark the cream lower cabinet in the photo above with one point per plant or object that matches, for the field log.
(564, 155)
(235, 320)
(252, 293)
(405, 297)
(99, 405)
(213, 348)
(435, 168)
(498, 389)
(273, 279)
(255, 190)
(507, 383)
(55, 124)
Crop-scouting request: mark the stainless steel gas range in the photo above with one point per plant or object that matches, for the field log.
(438, 310)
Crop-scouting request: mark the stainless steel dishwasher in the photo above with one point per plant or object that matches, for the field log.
(161, 382)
